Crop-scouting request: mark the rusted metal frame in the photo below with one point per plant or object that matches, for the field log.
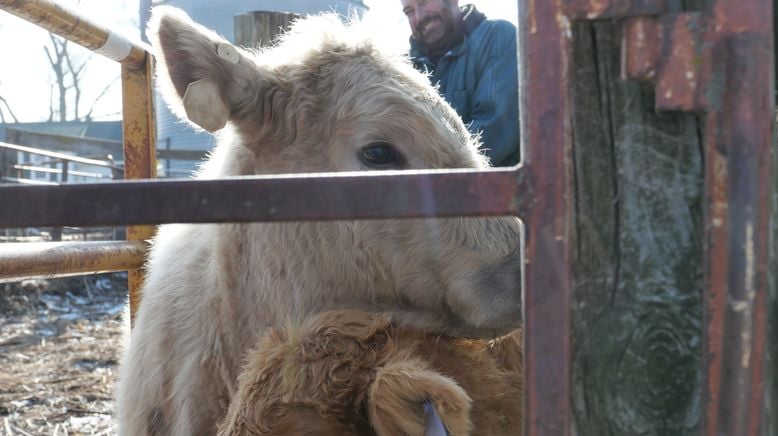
(605, 9)
(545, 73)
(59, 20)
(720, 61)
(324, 196)
(140, 151)
(23, 260)
(673, 51)
(738, 180)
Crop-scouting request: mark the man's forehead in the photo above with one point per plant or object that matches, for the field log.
(408, 3)
(412, 3)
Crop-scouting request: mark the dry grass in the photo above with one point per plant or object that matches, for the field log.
(59, 349)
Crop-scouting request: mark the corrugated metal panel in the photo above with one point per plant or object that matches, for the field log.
(219, 17)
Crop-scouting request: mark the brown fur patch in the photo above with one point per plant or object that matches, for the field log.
(350, 372)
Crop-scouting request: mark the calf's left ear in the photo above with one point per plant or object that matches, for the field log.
(397, 396)
(204, 79)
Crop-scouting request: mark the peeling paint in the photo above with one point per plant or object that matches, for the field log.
(750, 260)
(564, 24)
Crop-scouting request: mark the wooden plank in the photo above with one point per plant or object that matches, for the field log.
(638, 288)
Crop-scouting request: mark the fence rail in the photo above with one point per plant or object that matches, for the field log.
(267, 198)
(23, 260)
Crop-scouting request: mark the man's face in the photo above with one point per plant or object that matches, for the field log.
(432, 21)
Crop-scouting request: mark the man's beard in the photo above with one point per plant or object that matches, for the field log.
(437, 40)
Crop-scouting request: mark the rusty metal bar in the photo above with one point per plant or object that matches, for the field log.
(738, 162)
(673, 51)
(604, 9)
(641, 45)
(140, 150)
(23, 260)
(546, 59)
(67, 24)
(323, 196)
(683, 76)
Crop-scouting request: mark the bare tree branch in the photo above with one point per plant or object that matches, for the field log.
(102, 94)
(68, 76)
(51, 103)
(8, 108)
(75, 73)
(56, 59)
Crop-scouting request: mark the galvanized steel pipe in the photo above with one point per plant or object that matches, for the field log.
(23, 260)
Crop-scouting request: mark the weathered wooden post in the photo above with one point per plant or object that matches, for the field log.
(645, 309)
(259, 28)
(638, 294)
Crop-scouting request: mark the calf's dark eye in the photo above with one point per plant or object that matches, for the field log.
(381, 155)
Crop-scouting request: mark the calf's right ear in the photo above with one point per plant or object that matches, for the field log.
(204, 79)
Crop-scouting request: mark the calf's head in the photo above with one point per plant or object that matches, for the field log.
(328, 98)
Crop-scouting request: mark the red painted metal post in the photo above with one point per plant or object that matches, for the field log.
(737, 179)
(545, 61)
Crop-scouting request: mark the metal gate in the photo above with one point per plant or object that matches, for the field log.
(718, 61)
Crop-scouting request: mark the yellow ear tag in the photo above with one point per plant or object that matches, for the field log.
(205, 106)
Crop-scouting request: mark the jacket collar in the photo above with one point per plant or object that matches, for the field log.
(471, 17)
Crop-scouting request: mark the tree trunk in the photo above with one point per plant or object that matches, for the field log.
(638, 303)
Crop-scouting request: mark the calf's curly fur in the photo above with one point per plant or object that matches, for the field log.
(355, 373)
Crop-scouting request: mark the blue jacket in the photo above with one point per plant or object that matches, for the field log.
(479, 78)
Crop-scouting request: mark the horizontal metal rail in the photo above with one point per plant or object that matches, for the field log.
(57, 19)
(23, 260)
(36, 169)
(28, 181)
(325, 196)
(57, 156)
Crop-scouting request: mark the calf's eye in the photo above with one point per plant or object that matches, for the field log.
(381, 155)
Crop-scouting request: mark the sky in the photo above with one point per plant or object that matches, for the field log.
(26, 78)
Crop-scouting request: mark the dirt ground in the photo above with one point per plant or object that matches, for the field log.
(59, 351)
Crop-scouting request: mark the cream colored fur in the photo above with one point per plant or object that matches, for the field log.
(308, 105)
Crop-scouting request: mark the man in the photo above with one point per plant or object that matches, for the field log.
(474, 62)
